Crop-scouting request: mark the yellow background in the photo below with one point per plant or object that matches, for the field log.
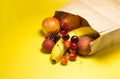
(20, 43)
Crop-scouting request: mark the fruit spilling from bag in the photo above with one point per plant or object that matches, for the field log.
(66, 37)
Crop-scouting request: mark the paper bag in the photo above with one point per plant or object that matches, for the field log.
(102, 15)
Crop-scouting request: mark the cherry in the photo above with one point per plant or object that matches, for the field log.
(56, 38)
(73, 45)
(72, 56)
(47, 37)
(65, 36)
(74, 39)
(63, 32)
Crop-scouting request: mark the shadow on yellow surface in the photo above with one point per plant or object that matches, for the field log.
(20, 45)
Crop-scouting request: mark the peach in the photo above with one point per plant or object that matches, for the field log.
(50, 25)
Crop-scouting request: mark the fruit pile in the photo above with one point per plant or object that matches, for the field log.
(61, 43)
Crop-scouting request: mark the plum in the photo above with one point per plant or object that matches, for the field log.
(84, 45)
(47, 45)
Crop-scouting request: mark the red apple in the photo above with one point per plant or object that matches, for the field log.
(70, 21)
(84, 45)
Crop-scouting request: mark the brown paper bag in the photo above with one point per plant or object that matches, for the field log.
(102, 15)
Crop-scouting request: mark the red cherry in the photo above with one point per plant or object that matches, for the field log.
(63, 32)
(74, 39)
(64, 60)
(73, 46)
(72, 56)
(47, 37)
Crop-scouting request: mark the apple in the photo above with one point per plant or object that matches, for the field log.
(70, 21)
(84, 45)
